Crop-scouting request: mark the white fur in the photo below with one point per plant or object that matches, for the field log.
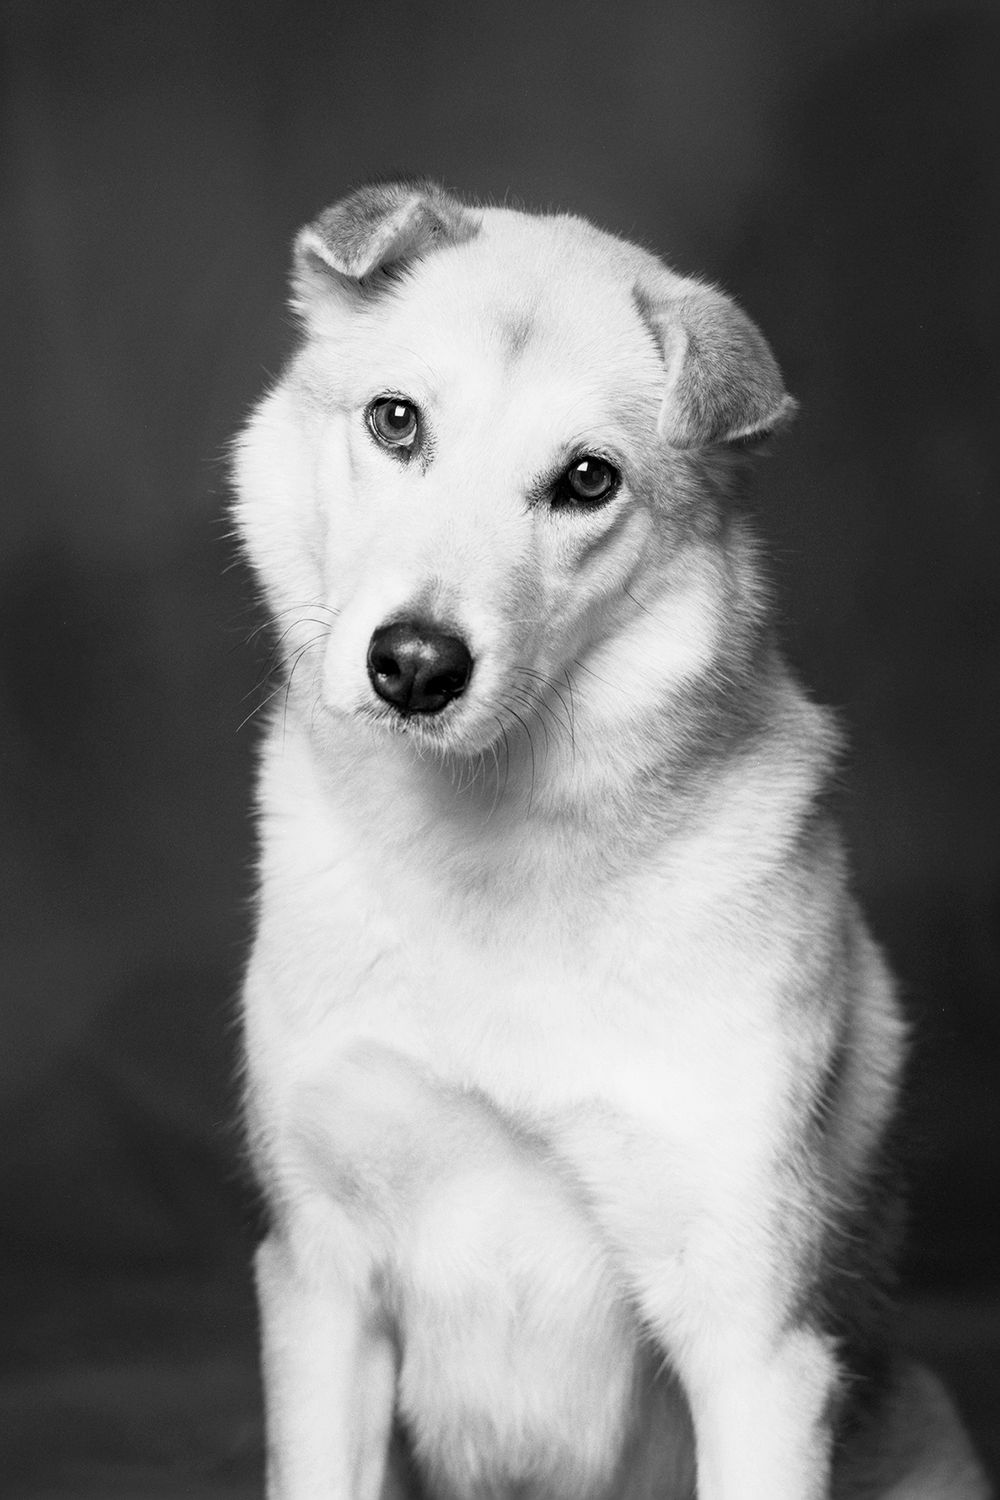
(545, 988)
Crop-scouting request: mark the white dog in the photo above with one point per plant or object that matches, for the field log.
(570, 1060)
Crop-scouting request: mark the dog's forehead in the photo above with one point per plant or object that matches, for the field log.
(540, 294)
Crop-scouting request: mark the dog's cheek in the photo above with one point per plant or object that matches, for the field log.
(307, 530)
(591, 569)
(275, 510)
(366, 523)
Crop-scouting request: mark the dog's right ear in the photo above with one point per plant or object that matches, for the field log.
(354, 246)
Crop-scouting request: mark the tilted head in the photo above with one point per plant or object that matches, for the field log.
(498, 469)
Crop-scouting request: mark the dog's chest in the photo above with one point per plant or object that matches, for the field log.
(548, 990)
(621, 1045)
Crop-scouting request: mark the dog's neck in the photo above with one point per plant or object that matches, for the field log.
(565, 809)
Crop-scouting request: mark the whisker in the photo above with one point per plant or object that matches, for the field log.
(300, 653)
(480, 771)
(553, 687)
(637, 602)
(309, 604)
(506, 756)
(596, 675)
(531, 704)
(562, 723)
(302, 620)
(432, 373)
(258, 707)
(496, 767)
(282, 686)
(572, 711)
(531, 751)
(302, 611)
(258, 687)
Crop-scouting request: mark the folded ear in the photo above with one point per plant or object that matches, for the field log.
(723, 384)
(373, 231)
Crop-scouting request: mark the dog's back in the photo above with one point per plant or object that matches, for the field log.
(571, 1065)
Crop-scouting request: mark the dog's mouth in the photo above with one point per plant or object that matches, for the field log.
(515, 714)
(455, 714)
(449, 732)
(450, 694)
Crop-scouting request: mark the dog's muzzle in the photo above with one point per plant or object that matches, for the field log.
(417, 668)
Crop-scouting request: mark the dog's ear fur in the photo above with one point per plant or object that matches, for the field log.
(356, 244)
(723, 384)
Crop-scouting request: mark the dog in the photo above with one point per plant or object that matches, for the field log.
(571, 1066)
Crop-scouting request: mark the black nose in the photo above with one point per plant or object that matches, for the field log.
(416, 668)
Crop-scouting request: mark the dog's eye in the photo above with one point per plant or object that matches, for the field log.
(588, 481)
(394, 421)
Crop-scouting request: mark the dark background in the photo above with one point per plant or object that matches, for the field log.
(836, 167)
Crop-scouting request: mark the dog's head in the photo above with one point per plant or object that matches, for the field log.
(496, 469)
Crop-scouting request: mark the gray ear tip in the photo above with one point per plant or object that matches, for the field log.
(311, 245)
(396, 219)
(786, 412)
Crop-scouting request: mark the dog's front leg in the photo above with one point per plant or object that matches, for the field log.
(762, 1382)
(329, 1373)
(762, 1415)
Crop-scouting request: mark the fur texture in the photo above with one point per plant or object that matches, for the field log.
(571, 1064)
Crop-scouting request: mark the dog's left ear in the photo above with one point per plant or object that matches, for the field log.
(357, 243)
(723, 385)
